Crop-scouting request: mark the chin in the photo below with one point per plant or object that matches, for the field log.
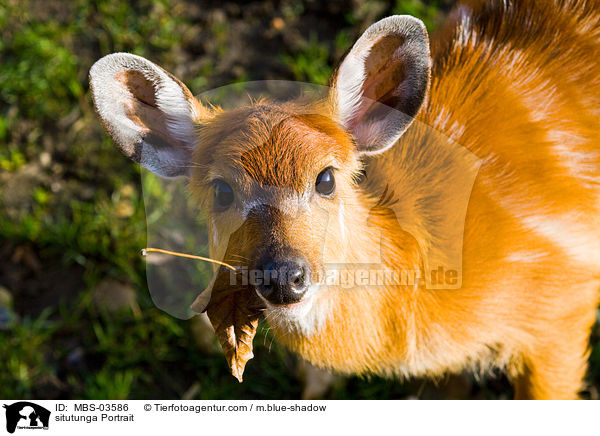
(304, 318)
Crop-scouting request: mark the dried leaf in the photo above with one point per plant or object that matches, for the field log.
(235, 319)
(234, 313)
(234, 309)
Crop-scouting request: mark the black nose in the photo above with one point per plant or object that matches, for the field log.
(283, 281)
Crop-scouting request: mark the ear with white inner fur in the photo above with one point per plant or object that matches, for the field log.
(382, 82)
(149, 113)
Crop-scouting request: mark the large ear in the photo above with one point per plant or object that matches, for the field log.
(149, 113)
(382, 83)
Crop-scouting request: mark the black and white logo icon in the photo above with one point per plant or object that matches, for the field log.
(26, 415)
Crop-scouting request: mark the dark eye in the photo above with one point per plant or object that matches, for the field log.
(223, 194)
(325, 184)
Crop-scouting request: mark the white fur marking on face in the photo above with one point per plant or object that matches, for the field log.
(341, 220)
(288, 202)
(215, 232)
(305, 317)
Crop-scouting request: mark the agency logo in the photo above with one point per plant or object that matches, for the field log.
(26, 415)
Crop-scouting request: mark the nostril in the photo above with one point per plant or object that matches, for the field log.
(299, 279)
(296, 278)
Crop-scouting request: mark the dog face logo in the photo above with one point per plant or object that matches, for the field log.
(26, 415)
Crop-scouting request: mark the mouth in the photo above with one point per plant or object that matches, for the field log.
(302, 318)
(291, 310)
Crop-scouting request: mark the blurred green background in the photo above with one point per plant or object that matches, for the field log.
(76, 320)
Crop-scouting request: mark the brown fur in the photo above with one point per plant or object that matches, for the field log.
(516, 83)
